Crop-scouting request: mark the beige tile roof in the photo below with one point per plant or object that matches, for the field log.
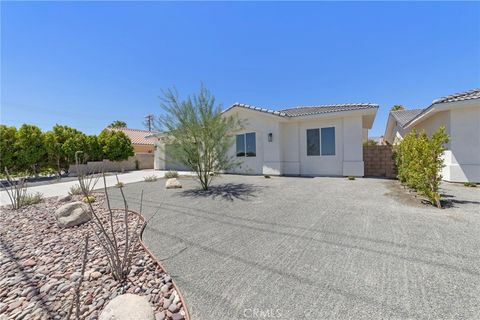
(137, 136)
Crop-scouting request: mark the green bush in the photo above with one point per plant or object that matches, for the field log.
(151, 178)
(120, 184)
(116, 146)
(419, 162)
(171, 174)
(351, 178)
(267, 176)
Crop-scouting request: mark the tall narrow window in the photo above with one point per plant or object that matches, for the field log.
(328, 141)
(251, 146)
(240, 145)
(313, 142)
(246, 145)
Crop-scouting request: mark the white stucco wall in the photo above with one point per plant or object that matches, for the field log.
(463, 158)
(287, 153)
(268, 154)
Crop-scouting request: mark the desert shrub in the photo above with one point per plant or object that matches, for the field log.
(419, 162)
(16, 189)
(351, 178)
(470, 184)
(171, 174)
(119, 253)
(32, 198)
(89, 199)
(151, 178)
(120, 184)
(75, 190)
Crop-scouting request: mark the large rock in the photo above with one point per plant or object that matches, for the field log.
(72, 214)
(128, 307)
(66, 198)
(173, 183)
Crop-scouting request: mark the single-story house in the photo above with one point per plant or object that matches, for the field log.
(140, 141)
(308, 140)
(460, 114)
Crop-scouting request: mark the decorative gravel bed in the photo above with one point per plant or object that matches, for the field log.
(40, 263)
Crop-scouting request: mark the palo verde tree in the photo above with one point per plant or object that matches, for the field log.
(197, 134)
(116, 146)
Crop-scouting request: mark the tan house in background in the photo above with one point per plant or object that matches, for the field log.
(140, 142)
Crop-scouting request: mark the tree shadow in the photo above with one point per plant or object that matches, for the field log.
(226, 191)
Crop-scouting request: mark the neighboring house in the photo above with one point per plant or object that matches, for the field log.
(460, 114)
(140, 142)
(312, 141)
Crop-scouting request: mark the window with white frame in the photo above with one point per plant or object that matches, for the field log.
(246, 145)
(321, 141)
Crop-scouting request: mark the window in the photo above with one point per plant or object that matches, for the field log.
(251, 144)
(321, 140)
(328, 141)
(246, 145)
(313, 142)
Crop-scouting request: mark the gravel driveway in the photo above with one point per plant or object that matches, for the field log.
(315, 248)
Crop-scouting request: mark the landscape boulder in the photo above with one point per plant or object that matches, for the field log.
(72, 214)
(173, 183)
(128, 307)
(66, 198)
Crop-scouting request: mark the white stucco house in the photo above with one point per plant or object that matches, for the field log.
(460, 114)
(312, 141)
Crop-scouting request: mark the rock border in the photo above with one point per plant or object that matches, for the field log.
(145, 247)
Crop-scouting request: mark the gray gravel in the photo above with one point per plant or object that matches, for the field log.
(315, 248)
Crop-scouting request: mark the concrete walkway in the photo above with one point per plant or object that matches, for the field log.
(61, 188)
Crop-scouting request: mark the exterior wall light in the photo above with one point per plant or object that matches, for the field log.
(270, 137)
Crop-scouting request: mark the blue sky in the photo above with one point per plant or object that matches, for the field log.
(87, 64)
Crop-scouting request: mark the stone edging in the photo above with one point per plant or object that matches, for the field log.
(144, 224)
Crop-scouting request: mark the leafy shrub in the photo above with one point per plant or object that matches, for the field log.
(419, 162)
(75, 190)
(151, 178)
(120, 184)
(351, 178)
(32, 198)
(470, 184)
(266, 176)
(171, 174)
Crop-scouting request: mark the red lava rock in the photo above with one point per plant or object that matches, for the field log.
(51, 255)
(29, 263)
(89, 299)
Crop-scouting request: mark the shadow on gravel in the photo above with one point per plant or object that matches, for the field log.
(454, 203)
(227, 191)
